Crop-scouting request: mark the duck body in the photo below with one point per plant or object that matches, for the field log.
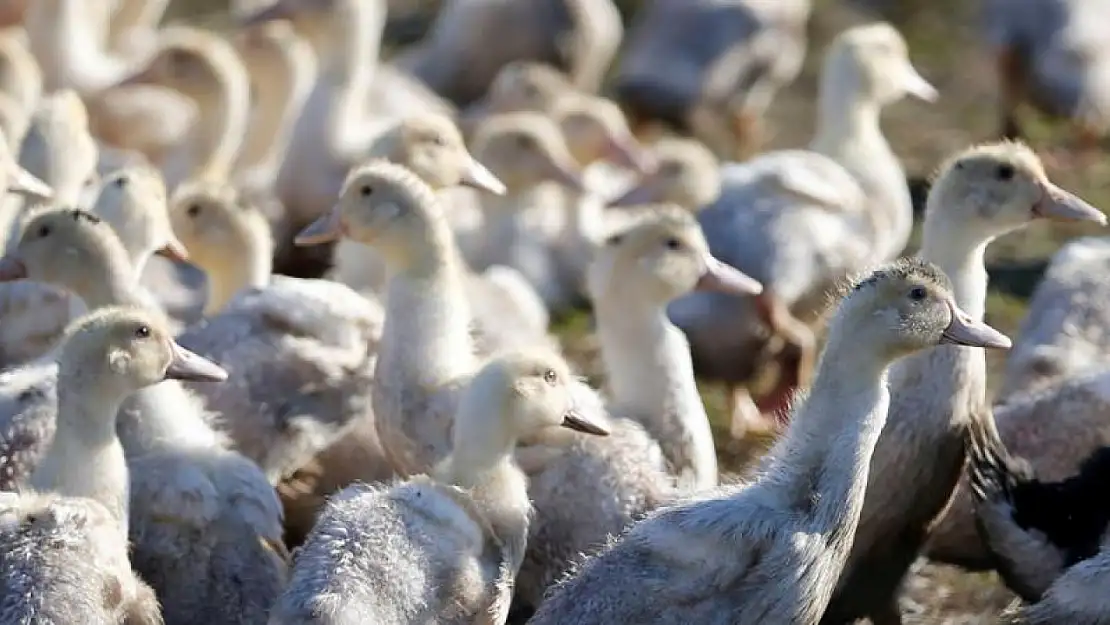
(387, 580)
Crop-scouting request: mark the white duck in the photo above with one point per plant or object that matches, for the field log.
(847, 192)
(446, 547)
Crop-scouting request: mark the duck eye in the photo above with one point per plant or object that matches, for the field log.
(550, 377)
(439, 140)
(1005, 172)
(918, 293)
(44, 231)
(121, 182)
(142, 332)
(614, 240)
(524, 141)
(673, 244)
(366, 190)
(193, 210)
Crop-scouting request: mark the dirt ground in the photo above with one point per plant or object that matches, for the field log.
(944, 45)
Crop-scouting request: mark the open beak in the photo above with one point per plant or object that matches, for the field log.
(1058, 204)
(23, 182)
(327, 228)
(478, 176)
(723, 278)
(565, 175)
(279, 10)
(190, 367)
(574, 420)
(12, 269)
(963, 330)
(174, 250)
(917, 86)
(626, 152)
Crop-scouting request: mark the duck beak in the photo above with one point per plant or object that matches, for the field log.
(963, 330)
(480, 177)
(1058, 204)
(279, 10)
(565, 175)
(23, 182)
(190, 367)
(12, 269)
(723, 278)
(174, 250)
(328, 228)
(644, 192)
(915, 85)
(625, 151)
(574, 420)
(144, 76)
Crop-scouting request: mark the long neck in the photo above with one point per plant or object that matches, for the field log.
(222, 123)
(822, 463)
(960, 255)
(848, 131)
(85, 458)
(74, 55)
(426, 338)
(359, 32)
(278, 102)
(651, 378)
(248, 264)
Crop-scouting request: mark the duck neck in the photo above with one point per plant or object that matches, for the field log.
(221, 124)
(651, 378)
(359, 26)
(278, 102)
(113, 286)
(426, 337)
(848, 132)
(822, 463)
(74, 55)
(85, 458)
(246, 264)
(584, 216)
(164, 416)
(959, 253)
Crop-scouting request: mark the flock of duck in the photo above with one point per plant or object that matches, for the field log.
(275, 347)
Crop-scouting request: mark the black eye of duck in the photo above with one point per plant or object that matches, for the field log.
(1005, 172)
(918, 293)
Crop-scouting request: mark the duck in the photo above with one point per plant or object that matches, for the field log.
(1062, 333)
(686, 174)
(653, 405)
(773, 548)
(525, 150)
(204, 522)
(750, 49)
(580, 37)
(1052, 55)
(73, 43)
(307, 346)
(354, 100)
(207, 69)
(433, 148)
(848, 182)
(517, 86)
(65, 536)
(979, 194)
(474, 503)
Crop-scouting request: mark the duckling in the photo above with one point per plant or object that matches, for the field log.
(307, 346)
(207, 69)
(65, 545)
(524, 150)
(734, 55)
(686, 174)
(1053, 55)
(848, 191)
(470, 516)
(460, 61)
(980, 193)
(203, 517)
(724, 558)
(652, 388)
(517, 86)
